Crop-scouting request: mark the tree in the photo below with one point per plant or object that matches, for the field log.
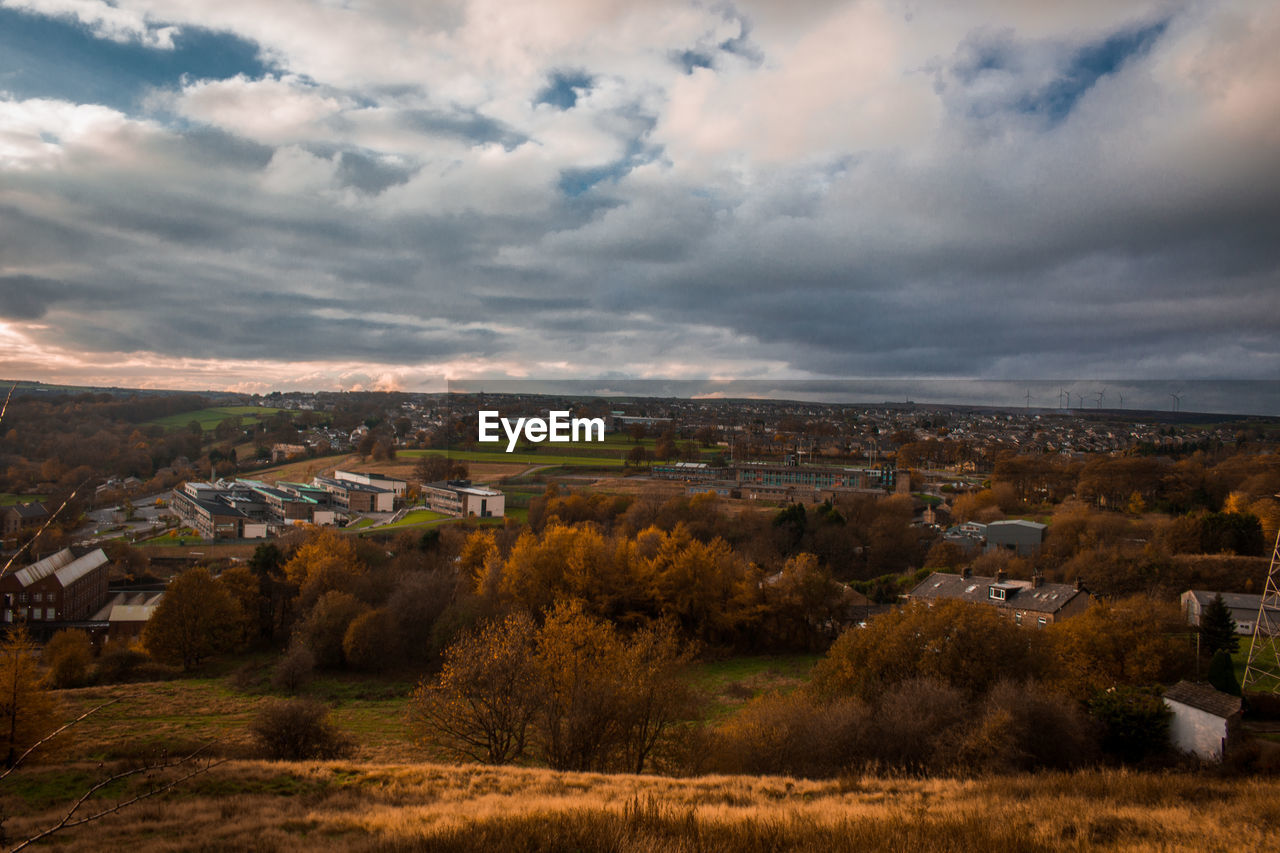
(245, 589)
(27, 710)
(325, 562)
(1135, 722)
(326, 625)
(966, 646)
(482, 703)
(68, 655)
(1131, 642)
(198, 617)
(1222, 673)
(369, 643)
(1217, 628)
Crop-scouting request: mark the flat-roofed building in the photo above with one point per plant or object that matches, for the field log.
(382, 481)
(461, 499)
(1022, 537)
(357, 497)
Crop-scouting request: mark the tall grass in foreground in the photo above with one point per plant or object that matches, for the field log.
(342, 806)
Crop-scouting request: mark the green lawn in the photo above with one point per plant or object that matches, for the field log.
(413, 518)
(732, 682)
(1241, 658)
(210, 418)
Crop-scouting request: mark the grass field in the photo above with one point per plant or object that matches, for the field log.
(8, 499)
(541, 457)
(210, 418)
(342, 805)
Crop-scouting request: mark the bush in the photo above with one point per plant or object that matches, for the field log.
(1135, 721)
(370, 644)
(297, 730)
(295, 669)
(68, 656)
(793, 735)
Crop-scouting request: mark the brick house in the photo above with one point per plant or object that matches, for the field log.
(64, 587)
(20, 516)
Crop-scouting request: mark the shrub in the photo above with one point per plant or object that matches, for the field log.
(297, 730)
(1135, 721)
(68, 656)
(294, 669)
(793, 735)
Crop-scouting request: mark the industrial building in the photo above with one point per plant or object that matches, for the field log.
(356, 497)
(1024, 538)
(1244, 608)
(63, 587)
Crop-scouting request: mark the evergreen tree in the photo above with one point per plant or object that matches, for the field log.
(1222, 673)
(1217, 628)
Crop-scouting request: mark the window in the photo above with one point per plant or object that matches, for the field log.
(1017, 618)
(1042, 621)
(37, 598)
(995, 593)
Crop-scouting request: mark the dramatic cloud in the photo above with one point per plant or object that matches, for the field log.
(384, 194)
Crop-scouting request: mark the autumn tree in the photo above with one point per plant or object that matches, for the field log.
(1132, 642)
(968, 646)
(326, 561)
(27, 710)
(245, 589)
(482, 703)
(197, 617)
(325, 627)
(68, 656)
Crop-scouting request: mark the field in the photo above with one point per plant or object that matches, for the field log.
(353, 806)
(7, 499)
(391, 796)
(414, 518)
(210, 418)
(540, 457)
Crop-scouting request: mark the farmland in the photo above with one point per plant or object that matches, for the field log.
(210, 418)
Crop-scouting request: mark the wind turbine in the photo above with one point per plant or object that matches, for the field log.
(1028, 398)
(1177, 401)
(1061, 392)
(1121, 401)
(1100, 395)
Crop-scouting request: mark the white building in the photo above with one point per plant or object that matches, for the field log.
(1203, 719)
(461, 499)
(1244, 608)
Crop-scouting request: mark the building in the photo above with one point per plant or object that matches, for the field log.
(814, 483)
(18, 517)
(1244, 608)
(688, 471)
(1032, 603)
(462, 500)
(1024, 538)
(356, 497)
(1204, 719)
(125, 614)
(64, 587)
(392, 484)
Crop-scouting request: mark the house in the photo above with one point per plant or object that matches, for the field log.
(64, 587)
(21, 516)
(1022, 537)
(1204, 719)
(1243, 606)
(1032, 603)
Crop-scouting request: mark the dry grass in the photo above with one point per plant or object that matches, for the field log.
(343, 805)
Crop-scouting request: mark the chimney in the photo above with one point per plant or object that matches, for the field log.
(1079, 584)
(1001, 576)
(1037, 580)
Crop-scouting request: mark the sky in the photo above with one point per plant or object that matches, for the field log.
(358, 195)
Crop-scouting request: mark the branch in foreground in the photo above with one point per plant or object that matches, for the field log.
(67, 822)
(53, 734)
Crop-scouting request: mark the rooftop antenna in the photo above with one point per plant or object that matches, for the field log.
(1263, 667)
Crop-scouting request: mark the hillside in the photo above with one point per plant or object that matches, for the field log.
(345, 806)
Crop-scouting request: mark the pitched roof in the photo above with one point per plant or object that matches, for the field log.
(1203, 698)
(64, 565)
(1233, 600)
(1019, 595)
(31, 510)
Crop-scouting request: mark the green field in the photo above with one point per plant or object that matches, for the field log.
(542, 457)
(8, 499)
(210, 418)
